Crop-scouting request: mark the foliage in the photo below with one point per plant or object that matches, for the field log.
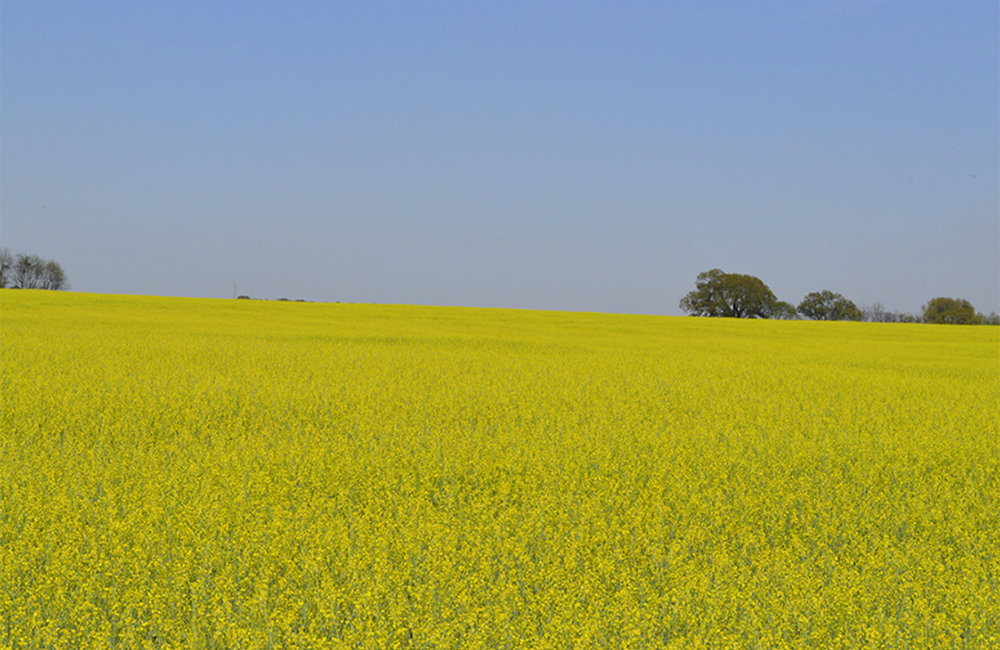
(237, 474)
(827, 305)
(951, 311)
(784, 311)
(729, 295)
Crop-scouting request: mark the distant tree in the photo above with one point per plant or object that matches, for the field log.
(954, 311)
(6, 267)
(992, 319)
(827, 305)
(28, 271)
(784, 311)
(877, 313)
(23, 271)
(729, 295)
(53, 277)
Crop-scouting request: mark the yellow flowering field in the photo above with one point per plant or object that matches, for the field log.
(184, 473)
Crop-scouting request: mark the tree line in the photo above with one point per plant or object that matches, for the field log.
(23, 271)
(734, 295)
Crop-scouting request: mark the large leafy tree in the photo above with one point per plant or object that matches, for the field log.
(954, 311)
(730, 295)
(827, 305)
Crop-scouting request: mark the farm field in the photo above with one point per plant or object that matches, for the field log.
(190, 473)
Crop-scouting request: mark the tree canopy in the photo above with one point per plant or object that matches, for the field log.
(954, 311)
(827, 305)
(784, 311)
(729, 295)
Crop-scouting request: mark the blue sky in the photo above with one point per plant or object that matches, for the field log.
(586, 155)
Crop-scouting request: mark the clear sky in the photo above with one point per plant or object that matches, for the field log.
(544, 154)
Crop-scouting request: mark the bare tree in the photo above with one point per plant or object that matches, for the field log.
(877, 313)
(22, 271)
(6, 267)
(28, 271)
(54, 278)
